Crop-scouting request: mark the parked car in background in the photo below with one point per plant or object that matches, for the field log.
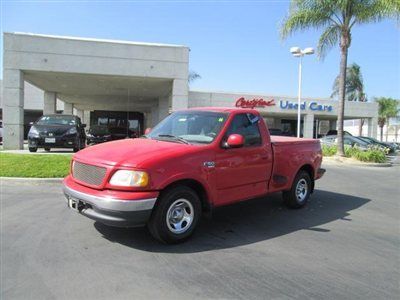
(388, 148)
(277, 131)
(348, 140)
(98, 134)
(57, 131)
(101, 133)
(334, 132)
(1, 131)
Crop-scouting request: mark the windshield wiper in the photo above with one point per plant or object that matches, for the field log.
(173, 137)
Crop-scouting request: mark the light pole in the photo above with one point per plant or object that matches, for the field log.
(297, 52)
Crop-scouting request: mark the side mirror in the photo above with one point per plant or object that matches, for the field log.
(83, 125)
(235, 141)
(147, 131)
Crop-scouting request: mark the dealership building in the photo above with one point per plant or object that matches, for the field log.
(107, 82)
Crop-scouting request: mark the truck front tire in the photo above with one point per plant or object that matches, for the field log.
(298, 195)
(175, 215)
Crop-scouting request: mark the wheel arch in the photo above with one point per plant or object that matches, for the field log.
(197, 187)
(310, 170)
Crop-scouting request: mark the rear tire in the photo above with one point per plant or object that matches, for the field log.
(175, 215)
(32, 149)
(300, 191)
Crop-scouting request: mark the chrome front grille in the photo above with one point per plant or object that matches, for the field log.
(89, 174)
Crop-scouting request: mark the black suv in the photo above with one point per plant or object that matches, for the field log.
(57, 131)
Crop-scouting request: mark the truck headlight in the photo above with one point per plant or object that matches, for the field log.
(130, 178)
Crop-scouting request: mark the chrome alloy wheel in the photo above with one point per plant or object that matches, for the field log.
(301, 190)
(180, 216)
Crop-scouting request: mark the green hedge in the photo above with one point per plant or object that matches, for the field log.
(34, 165)
(371, 155)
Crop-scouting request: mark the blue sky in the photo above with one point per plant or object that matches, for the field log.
(235, 46)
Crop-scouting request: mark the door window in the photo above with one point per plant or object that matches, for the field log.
(247, 126)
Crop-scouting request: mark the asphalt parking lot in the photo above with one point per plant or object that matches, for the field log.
(344, 245)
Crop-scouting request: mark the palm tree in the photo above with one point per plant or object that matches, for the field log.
(193, 76)
(388, 108)
(337, 18)
(354, 88)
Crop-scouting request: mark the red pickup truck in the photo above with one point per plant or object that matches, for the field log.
(191, 162)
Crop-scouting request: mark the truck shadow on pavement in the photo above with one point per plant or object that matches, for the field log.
(246, 223)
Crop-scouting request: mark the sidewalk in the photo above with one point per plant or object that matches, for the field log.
(39, 151)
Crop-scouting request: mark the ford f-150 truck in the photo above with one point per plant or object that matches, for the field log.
(191, 162)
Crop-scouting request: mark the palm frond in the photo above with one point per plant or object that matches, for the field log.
(193, 76)
(354, 85)
(328, 39)
(374, 11)
(298, 20)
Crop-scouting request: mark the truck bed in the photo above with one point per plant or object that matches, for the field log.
(291, 154)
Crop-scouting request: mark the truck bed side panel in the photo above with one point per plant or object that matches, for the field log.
(289, 156)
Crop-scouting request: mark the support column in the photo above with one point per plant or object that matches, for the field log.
(308, 126)
(147, 120)
(49, 103)
(179, 94)
(86, 118)
(372, 127)
(163, 108)
(13, 109)
(154, 116)
(78, 113)
(68, 108)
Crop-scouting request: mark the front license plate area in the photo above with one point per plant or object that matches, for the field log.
(50, 140)
(75, 204)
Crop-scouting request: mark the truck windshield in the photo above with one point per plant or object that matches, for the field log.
(190, 126)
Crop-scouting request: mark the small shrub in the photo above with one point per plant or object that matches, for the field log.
(328, 150)
(374, 155)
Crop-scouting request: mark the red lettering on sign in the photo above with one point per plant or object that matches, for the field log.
(241, 102)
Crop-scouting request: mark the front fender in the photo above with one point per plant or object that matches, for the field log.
(198, 178)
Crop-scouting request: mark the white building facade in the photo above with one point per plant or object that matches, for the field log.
(103, 81)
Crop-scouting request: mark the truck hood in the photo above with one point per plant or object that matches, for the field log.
(131, 152)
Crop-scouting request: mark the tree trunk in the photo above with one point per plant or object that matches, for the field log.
(342, 93)
(381, 132)
(360, 127)
(387, 129)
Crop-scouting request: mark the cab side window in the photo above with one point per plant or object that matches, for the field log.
(247, 126)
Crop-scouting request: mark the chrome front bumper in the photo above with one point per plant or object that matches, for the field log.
(109, 211)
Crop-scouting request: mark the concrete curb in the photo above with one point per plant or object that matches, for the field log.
(337, 161)
(30, 179)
